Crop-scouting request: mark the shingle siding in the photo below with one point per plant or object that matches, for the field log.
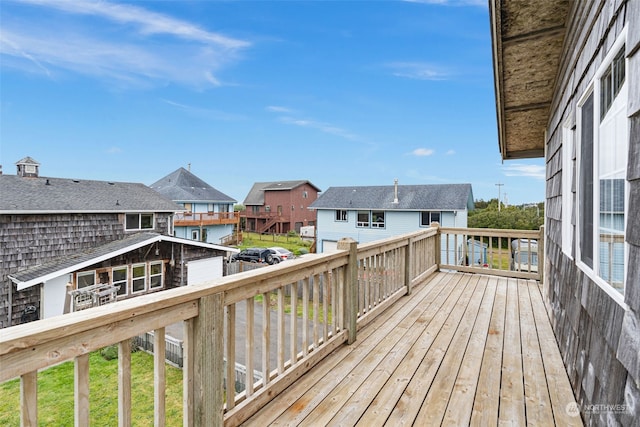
(29, 240)
(599, 338)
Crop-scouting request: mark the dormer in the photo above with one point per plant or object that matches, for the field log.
(28, 167)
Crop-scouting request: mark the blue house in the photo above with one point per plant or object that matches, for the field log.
(208, 213)
(370, 213)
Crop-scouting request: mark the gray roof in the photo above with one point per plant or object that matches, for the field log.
(82, 259)
(53, 195)
(256, 194)
(183, 186)
(410, 197)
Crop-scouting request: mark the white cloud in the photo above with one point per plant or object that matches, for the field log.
(422, 152)
(323, 127)
(519, 169)
(450, 152)
(277, 109)
(417, 71)
(114, 46)
(205, 113)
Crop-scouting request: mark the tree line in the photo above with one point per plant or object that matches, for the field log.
(522, 217)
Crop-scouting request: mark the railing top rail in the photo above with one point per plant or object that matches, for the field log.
(399, 240)
(492, 232)
(36, 333)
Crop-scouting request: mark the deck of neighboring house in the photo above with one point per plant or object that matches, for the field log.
(463, 349)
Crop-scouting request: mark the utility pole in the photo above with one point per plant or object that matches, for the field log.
(499, 185)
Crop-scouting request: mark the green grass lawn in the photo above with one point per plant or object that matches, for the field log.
(55, 394)
(255, 240)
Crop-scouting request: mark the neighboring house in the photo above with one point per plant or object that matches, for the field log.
(567, 78)
(208, 216)
(376, 212)
(280, 206)
(58, 234)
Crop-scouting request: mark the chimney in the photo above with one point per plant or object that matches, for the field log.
(395, 190)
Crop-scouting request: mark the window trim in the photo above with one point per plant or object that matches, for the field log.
(594, 90)
(161, 275)
(363, 224)
(85, 273)
(140, 215)
(134, 278)
(430, 212)
(568, 197)
(125, 285)
(342, 214)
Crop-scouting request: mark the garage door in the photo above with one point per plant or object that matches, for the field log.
(204, 270)
(329, 246)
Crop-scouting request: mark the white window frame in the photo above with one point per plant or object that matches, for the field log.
(594, 89)
(363, 224)
(375, 223)
(151, 275)
(195, 235)
(139, 225)
(134, 278)
(342, 214)
(422, 224)
(568, 204)
(124, 284)
(79, 274)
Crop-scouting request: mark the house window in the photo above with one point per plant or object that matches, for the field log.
(341, 215)
(305, 195)
(363, 219)
(139, 278)
(120, 278)
(602, 163)
(195, 235)
(267, 208)
(85, 278)
(255, 209)
(377, 219)
(427, 217)
(155, 275)
(568, 168)
(139, 222)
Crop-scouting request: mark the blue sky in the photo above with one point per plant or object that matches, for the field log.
(337, 92)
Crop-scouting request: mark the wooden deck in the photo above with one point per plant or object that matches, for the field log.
(463, 349)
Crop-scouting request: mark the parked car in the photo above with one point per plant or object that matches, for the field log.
(258, 255)
(282, 253)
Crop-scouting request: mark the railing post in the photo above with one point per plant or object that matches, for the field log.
(438, 244)
(541, 262)
(350, 295)
(408, 265)
(209, 362)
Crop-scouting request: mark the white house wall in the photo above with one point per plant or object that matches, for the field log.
(54, 294)
(396, 223)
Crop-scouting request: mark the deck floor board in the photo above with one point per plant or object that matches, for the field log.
(463, 349)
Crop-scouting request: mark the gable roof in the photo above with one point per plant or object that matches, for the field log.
(56, 195)
(256, 194)
(410, 197)
(69, 263)
(183, 186)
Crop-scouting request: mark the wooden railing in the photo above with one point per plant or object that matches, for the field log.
(205, 218)
(323, 290)
(490, 251)
(276, 323)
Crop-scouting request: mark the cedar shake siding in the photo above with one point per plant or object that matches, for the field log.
(597, 326)
(30, 240)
